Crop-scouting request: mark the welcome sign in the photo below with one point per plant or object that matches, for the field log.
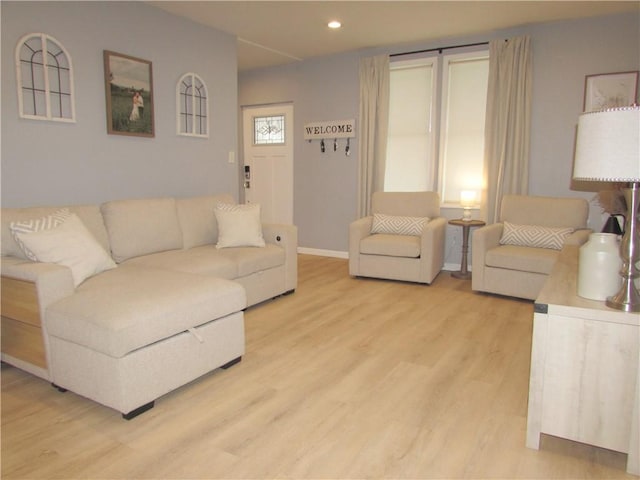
(331, 129)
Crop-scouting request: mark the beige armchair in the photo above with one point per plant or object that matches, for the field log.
(383, 253)
(519, 269)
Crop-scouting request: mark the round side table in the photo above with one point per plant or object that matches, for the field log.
(466, 225)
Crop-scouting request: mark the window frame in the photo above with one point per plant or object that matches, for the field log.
(281, 117)
(193, 114)
(443, 112)
(48, 114)
(440, 61)
(433, 62)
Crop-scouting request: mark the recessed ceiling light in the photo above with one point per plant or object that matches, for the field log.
(334, 24)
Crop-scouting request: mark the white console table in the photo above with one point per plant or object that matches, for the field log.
(585, 376)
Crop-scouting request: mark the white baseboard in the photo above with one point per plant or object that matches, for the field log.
(449, 267)
(323, 253)
(452, 267)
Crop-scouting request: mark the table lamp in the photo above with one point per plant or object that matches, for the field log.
(467, 201)
(608, 150)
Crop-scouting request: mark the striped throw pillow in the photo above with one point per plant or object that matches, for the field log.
(37, 225)
(398, 225)
(534, 236)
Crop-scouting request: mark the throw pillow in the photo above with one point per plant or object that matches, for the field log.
(37, 225)
(534, 236)
(69, 244)
(239, 225)
(398, 225)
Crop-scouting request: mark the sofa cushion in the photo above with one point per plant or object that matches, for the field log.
(239, 225)
(204, 260)
(198, 219)
(251, 260)
(69, 244)
(152, 305)
(525, 259)
(398, 225)
(141, 226)
(391, 245)
(534, 235)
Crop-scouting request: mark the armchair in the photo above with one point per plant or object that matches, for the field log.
(518, 268)
(384, 252)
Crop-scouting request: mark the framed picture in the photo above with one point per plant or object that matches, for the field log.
(129, 91)
(610, 90)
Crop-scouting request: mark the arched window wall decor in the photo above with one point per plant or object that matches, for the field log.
(44, 73)
(192, 106)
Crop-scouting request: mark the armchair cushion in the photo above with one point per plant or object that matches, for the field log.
(534, 235)
(523, 259)
(391, 245)
(398, 225)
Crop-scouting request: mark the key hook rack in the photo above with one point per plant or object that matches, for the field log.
(336, 130)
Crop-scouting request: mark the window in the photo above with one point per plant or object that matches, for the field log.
(436, 124)
(410, 140)
(44, 79)
(193, 106)
(268, 130)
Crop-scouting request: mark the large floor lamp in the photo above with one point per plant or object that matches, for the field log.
(608, 150)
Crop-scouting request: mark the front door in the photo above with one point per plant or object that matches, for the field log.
(268, 160)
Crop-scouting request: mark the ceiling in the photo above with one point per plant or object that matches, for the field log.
(277, 32)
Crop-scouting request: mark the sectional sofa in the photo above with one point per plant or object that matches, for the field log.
(126, 301)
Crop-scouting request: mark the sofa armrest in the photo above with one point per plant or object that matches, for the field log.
(20, 280)
(52, 281)
(358, 229)
(285, 236)
(579, 237)
(432, 247)
(483, 239)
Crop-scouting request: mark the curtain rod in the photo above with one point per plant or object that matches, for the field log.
(439, 49)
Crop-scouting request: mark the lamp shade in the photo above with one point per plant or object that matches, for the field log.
(468, 198)
(608, 146)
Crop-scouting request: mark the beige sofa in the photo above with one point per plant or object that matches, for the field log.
(516, 268)
(382, 253)
(169, 312)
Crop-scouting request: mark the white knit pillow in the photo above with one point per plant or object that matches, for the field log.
(398, 225)
(534, 236)
(239, 225)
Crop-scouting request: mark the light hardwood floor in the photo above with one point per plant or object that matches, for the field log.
(346, 378)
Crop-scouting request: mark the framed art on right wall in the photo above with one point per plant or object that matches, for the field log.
(610, 90)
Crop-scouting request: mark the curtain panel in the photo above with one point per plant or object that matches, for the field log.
(508, 122)
(374, 122)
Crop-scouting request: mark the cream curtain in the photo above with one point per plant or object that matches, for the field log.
(374, 121)
(508, 122)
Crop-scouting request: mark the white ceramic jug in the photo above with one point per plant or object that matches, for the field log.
(599, 267)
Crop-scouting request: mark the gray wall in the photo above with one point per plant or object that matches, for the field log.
(325, 185)
(52, 163)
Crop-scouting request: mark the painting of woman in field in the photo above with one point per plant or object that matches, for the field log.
(129, 87)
